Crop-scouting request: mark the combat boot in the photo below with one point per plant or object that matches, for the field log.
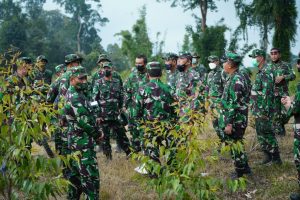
(276, 158)
(108, 156)
(267, 158)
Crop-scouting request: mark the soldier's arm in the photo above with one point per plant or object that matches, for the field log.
(83, 116)
(121, 100)
(53, 91)
(289, 74)
(128, 92)
(139, 101)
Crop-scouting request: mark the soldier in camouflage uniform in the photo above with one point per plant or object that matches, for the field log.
(234, 113)
(60, 69)
(154, 104)
(188, 87)
(293, 109)
(201, 69)
(171, 62)
(82, 134)
(283, 74)
(136, 79)
(40, 73)
(262, 103)
(109, 94)
(214, 89)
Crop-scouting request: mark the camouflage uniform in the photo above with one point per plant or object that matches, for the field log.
(214, 89)
(109, 95)
(81, 137)
(135, 80)
(280, 90)
(234, 111)
(171, 76)
(153, 104)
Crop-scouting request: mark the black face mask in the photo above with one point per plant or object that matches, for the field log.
(168, 66)
(140, 68)
(107, 73)
(180, 68)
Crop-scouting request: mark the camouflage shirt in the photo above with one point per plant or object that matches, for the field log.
(100, 74)
(131, 86)
(109, 95)
(81, 120)
(202, 71)
(262, 95)
(171, 78)
(187, 83)
(154, 101)
(215, 84)
(282, 68)
(234, 103)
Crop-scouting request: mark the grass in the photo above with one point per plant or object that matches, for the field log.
(119, 181)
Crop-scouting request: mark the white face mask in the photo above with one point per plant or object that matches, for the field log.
(212, 65)
(194, 61)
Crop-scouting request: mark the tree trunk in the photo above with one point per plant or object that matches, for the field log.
(265, 40)
(78, 34)
(203, 8)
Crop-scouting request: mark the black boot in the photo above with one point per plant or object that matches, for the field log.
(267, 158)
(240, 172)
(276, 158)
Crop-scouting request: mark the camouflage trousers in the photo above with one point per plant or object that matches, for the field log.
(215, 112)
(296, 150)
(280, 118)
(110, 128)
(265, 135)
(84, 176)
(237, 149)
(136, 134)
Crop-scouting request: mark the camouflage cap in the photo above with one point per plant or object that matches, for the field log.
(234, 57)
(153, 65)
(195, 55)
(103, 57)
(78, 71)
(170, 56)
(186, 55)
(72, 58)
(107, 64)
(27, 60)
(60, 67)
(212, 58)
(41, 58)
(257, 52)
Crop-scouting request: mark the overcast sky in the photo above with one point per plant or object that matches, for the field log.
(169, 21)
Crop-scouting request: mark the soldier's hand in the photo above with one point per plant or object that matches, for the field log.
(278, 79)
(286, 101)
(99, 121)
(228, 129)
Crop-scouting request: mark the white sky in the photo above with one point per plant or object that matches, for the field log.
(169, 21)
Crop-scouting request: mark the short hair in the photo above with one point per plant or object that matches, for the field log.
(143, 57)
(276, 49)
(155, 72)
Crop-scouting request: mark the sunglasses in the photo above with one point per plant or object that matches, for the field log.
(274, 52)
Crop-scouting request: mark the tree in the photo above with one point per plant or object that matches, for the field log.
(285, 14)
(85, 16)
(210, 42)
(204, 5)
(186, 47)
(118, 59)
(137, 42)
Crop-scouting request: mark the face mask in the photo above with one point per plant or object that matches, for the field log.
(82, 86)
(194, 61)
(107, 73)
(140, 68)
(168, 66)
(180, 68)
(255, 63)
(212, 65)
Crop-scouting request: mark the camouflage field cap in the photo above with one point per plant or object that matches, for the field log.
(72, 58)
(212, 58)
(78, 71)
(41, 58)
(170, 56)
(186, 55)
(153, 65)
(60, 67)
(107, 64)
(27, 60)
(103, 57)
(257, 52)
(234, 57)
(195, 55)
